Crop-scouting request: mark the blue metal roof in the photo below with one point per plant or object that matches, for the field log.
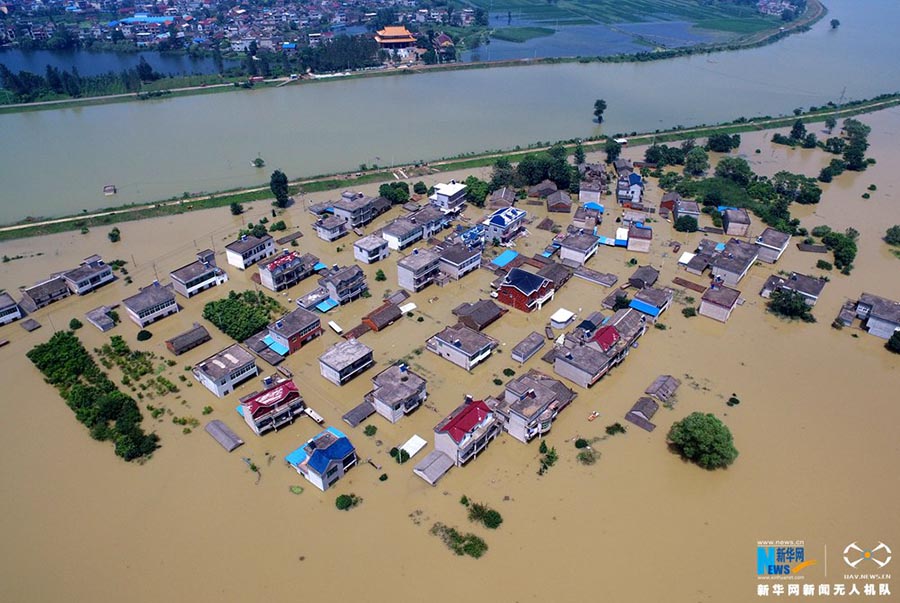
(592, 205)
(325, 306)
(296, 457)
(644, 307)
(240, 409)
(524, 281)
(320, 458)
(634, 178)
(276, 347)
(721, 208)
(505, 258)
(319, 266)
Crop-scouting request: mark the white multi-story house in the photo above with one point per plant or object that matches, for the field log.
(461, 345)
(459, 260)
(449, 196)
(197, 276)
(370, 249)
(150, 304)
(466, 431)
(418, 270)
(9, 309)
(398, 391)
(92, 273)
(248, 250)
(224, 370)
(504, 224)
(401, 233)
(345, 360)
(530, 404)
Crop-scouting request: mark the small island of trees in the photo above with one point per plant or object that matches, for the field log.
(703, 439)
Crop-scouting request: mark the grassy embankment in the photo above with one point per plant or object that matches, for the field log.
(521, 34)
(471, 161)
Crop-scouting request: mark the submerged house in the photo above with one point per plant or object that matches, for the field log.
(642, 413)
(91, 274)
(9, 309)
(419, 269)
(344, 284)
(44, 293)
(462, 346)
(459, 260)
(736, 222)
(272, 408)
(193, 337)
(370, 249)
(808, 287)
(881, 315)
(719, 302)
(579, 247)
(398, 392)
(292, 331)
(401, 233)
(466, 431)
(248, 250)
(733, 262)
(504, 224)
(478, 315)
(287, 270)
(324, 459)
(199, 275)
(225, 370)
(345, 360)
(524, 290)
(530, 404)
(150, 304)
(771, 244)
(331, 228)
(448, 196)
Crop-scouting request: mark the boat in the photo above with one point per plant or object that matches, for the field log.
(4, 342)
(593, 415)
(110, 190)
(335, 327)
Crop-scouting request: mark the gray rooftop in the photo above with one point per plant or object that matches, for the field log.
(419, 259)
(246, 243)
(801, 283)
(737, 216)
(149, 296)
(192, 271)
(6, 300)
(433, 466)
(294, 322)
(736, 257)
(351, 201)
(663, 387)
(370, 243)
(457, 254)
(396, 383)
(529, 346)
(342, 275)
(628, 322)
(468, 340)
(647, 274)
(722, 296)
(429, 214)
(882, 308)
(534, 391)
(46, 288)
(635, 232)
(687, 207)
(401, 228)
(190, 338)
(654, 297)
(359, 413)
(585, 358)
(89, 267)
(344, 354)
(773, 238)
(480, 313)
(331, 222)
(223, 362)
(223, 435)
(580, 242)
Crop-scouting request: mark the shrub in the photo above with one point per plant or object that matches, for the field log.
(892, 236)
(144, 335)
(419, 188)
(581, 443)
(383, 477)
(498, 381)
(866, 196)
(872, 187)
(380, 276)
(587, 457)
(464, 501)
(733, 400)
(660, 326)
(509, 372)
(543, 447)
(703, 439)
(206, 409)
(75, 324)
(486, 515)
(821, 231)
(370, 430)
(420, 319)
(114, 235)
(689, 312)
(236, 209)
(823, 265)
(460, 544)
(893, 344)
(686, 224)
(345, 502)
(614, 429)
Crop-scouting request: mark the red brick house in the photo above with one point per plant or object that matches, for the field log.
(525, 291)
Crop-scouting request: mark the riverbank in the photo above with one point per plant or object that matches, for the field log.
(815, 12)
(351, 179)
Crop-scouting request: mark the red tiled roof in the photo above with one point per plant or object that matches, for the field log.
(265, 401)
(606, 337)
(471, 415)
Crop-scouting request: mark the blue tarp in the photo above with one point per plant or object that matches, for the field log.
(593, 205)
(621, 242)
(275, 346)
(325, 306)
(240, 409)
(720, 247)
(721, 209)
(546, 254)
(607, 241)
(319, 266)
(505, 258)
(644, 307)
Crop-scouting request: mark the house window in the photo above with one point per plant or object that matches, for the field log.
(331, 471)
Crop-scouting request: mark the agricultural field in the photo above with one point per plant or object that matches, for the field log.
(724, 16)
(521, 34)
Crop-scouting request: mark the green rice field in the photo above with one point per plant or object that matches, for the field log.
(521, 34)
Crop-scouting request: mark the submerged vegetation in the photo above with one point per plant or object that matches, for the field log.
(241, 315)
(703, 439)
(97, 403)
(459, 543)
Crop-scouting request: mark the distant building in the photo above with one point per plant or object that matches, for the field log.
(579, 247)
(324, 459)
(150, 304)
(448, 196)
(881, 315)
(345, 360)
(525, 291)
(287, 270)
(195, 336)
(456, 261)
(401, 233)
(248, 250)
(357, 209)
(736, 222)
(478, 315)
(502, 197)
(398, 392)
(395, 37)
(719, 302)
(198, 276)
(92, 273)
(9, 309)
(226, 369)
(590, 191)
(686, 208)
(462, 346)
(504, 224)
(542, 189)
(293, 330)
(418, 270)
(772, 244)
(652, 301)
(808, 287)
(330, 228)
(44, 293)
(370, 249)
(559, 202)
(432, 220)
(383, 316)
(273, 407)
(344, 283)
(530, 404)
(466, 431)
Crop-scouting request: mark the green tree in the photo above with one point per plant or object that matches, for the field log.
(613, 150)
(835, 23)
(75, 324)
(893, 344)
(703, 439)
(114, 235)
(798, 130)
(419, 188)
(380, 276)
(735, 169)
(279, 185)
(723, 143)
(830, 123)
(236, 209)
(892, 236)
(476, 191)
(790, 304)
(696, 161)
(686, 224)
(599, 109)
(395, 192)
(579, 155)
(503, 174)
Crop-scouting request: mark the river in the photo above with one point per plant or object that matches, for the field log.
(96, 63)
(61, 159)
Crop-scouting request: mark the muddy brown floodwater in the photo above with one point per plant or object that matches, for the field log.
(816, 430)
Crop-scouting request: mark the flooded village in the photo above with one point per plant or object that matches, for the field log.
(463, 339)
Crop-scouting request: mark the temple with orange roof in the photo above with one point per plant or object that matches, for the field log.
(395, 36)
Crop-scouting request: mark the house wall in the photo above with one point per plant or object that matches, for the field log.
(737, 229)
(881, 328)
(211, 280)
(515, 298)
(170, 308)
(572, 373)
(407, 278)
(397, 244)
(729, 278)
(226, 385)
(253, 256)
(86, 286)
(364, 257)
(444, 443)
(769, 255)
(714, 311)
(457, 272)
(590, 197)
(9, 314)
(566, 253)
(339, 377)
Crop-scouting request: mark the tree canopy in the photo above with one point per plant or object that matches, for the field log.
(279, 185)
(686, 224)
(892, 236)
(723, 143)
(790, 304)
(241, 315)
(599, 108)
(703, 439)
